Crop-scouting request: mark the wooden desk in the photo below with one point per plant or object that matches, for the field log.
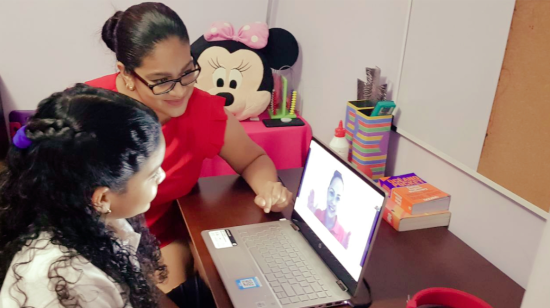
(401, 263)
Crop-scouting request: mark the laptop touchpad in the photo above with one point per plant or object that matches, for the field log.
(237, 263)
(245, 284)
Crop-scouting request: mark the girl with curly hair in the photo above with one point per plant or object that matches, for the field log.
(79, 177)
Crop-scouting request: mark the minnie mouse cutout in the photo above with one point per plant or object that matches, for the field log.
(238, 66)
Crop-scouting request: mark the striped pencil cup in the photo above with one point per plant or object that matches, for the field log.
(368, 137)
(351, 115)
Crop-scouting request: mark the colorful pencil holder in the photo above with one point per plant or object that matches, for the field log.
(368, 137)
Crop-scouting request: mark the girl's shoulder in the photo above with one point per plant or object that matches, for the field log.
(41, 265)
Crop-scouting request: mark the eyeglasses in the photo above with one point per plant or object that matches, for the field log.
(167, 86)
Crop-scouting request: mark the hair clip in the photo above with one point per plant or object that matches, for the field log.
(20, 140)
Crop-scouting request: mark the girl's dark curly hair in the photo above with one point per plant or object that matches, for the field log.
(82, 138)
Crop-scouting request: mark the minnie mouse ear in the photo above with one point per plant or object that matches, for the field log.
(198, 47)
(281, 50)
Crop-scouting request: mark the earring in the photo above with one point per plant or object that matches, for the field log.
(108, 210)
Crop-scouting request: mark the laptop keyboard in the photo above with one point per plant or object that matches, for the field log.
(290, 276)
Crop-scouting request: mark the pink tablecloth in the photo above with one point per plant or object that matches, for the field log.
(287, 147)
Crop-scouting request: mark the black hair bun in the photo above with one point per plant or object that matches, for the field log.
(108, 31)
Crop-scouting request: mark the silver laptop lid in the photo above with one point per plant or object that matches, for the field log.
(338, 210)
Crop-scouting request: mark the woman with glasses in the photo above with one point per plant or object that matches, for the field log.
(156, 68)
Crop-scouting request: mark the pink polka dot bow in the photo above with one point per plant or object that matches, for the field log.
(253, 35)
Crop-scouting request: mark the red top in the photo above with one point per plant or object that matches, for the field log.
(338, 231)
(190, 138)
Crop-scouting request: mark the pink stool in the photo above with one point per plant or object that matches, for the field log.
(446, 298)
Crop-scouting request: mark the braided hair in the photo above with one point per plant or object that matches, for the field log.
(82, 138)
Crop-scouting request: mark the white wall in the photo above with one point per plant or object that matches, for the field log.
(537, 294)
(452, 64)
(338, 39)
(46, 46)
(501, 230)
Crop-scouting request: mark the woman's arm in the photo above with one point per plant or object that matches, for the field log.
(250, 160)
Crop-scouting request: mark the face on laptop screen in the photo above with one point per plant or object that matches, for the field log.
(339, 207)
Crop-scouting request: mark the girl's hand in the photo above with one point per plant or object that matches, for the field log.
(273, 197)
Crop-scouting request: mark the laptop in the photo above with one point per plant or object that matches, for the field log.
(316, 259)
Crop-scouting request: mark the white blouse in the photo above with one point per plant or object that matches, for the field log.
(91, 285)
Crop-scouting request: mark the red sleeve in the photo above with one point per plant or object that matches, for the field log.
(211, 119)
(106, 82)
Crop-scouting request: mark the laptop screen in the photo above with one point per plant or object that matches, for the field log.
(339, 206)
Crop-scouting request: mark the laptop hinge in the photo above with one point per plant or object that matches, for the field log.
(295, 227)
(342, 285)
